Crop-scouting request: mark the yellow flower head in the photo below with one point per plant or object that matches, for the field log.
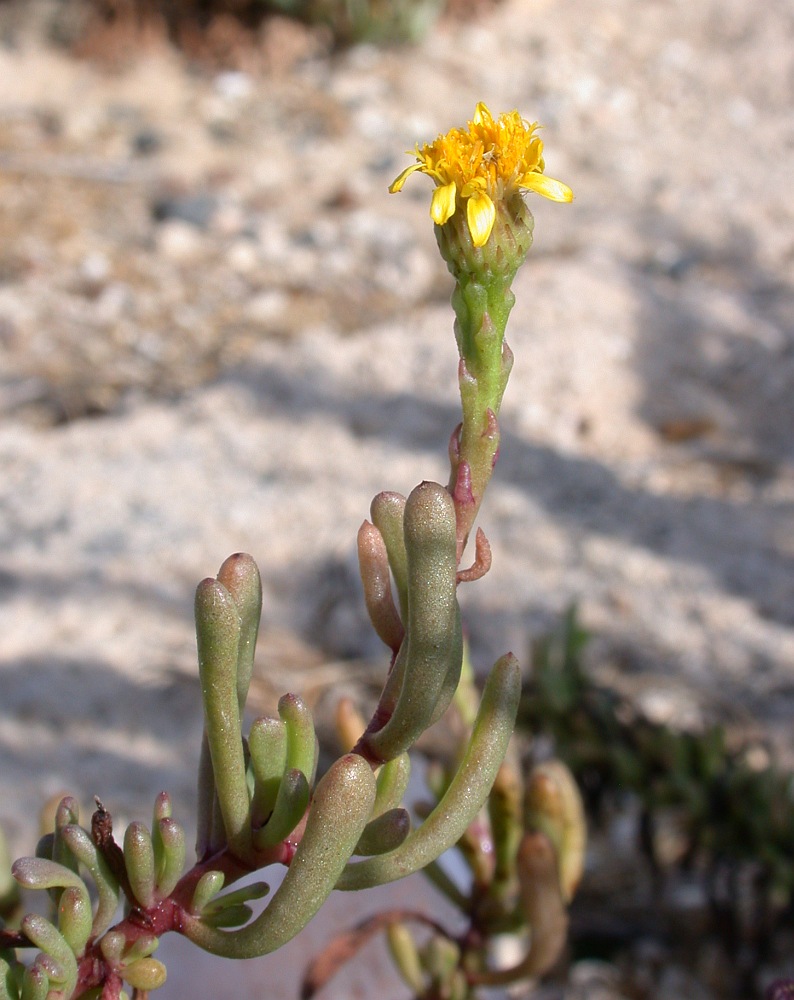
(483, 164)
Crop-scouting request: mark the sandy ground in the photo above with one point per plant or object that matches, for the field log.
(219, 332)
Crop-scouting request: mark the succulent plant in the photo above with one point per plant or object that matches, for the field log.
(260, 800)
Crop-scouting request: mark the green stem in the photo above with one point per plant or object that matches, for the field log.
(482, 310)
(482, 301)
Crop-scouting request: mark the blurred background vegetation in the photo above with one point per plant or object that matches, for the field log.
(218, 30)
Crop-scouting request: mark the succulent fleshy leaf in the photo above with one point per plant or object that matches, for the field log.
(554, 807)
(145, 974)
(142, 947)
(230, 916)
(84, 849)
(441, 957)
(267, 747)
(505, 804)
(458, 986)
(387, 511)
(56, 957)
(256, 890)
(373, 561)
(170, 838)
(10, 974)
(239, 574)
(404, 953)
(343, 803)
(428, 663)
(68, 812)
(384, 833)
(39, 873)
(75, 917)
(162, 810)
(301, 739)
(544, 910)
(206, 840)
(45, 845)
(139, 862)
(10, 979)
(35, 983)
(291, 803)
(393, 778)
(112, 946)
(207, 887)
(466, 793)
(218, 633)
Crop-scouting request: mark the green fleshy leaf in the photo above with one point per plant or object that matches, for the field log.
(387, 511)
(10, 975)
(145, 974)
(231, 916)
(35, 983)
(301, 738)
(431, 653)
(257, 890)
(267, 746)
(393, 778)
(218, 633)
(63, 965)
(466, 793)
(39, 873)
(112, 947)
(67, 813)
(84, 849)
(291, 803)
(343, 803)
(139, 861)
(45, 845)
(405, 956)
(373, 562)
(207, 887)
(141, 947)
(75, 917)
(171, 837)
(384, 833)
(240, 576)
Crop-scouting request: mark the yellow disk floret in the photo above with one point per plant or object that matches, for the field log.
(483, 164)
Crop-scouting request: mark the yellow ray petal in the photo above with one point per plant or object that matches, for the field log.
(442, 207)
(397, 183)
(481, 215)
(547, 186)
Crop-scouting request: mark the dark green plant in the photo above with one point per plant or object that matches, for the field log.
(723, 814)
(728, 806)
(377, 21)
(348, 21)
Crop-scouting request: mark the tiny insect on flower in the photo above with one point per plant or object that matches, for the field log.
(481, 165)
